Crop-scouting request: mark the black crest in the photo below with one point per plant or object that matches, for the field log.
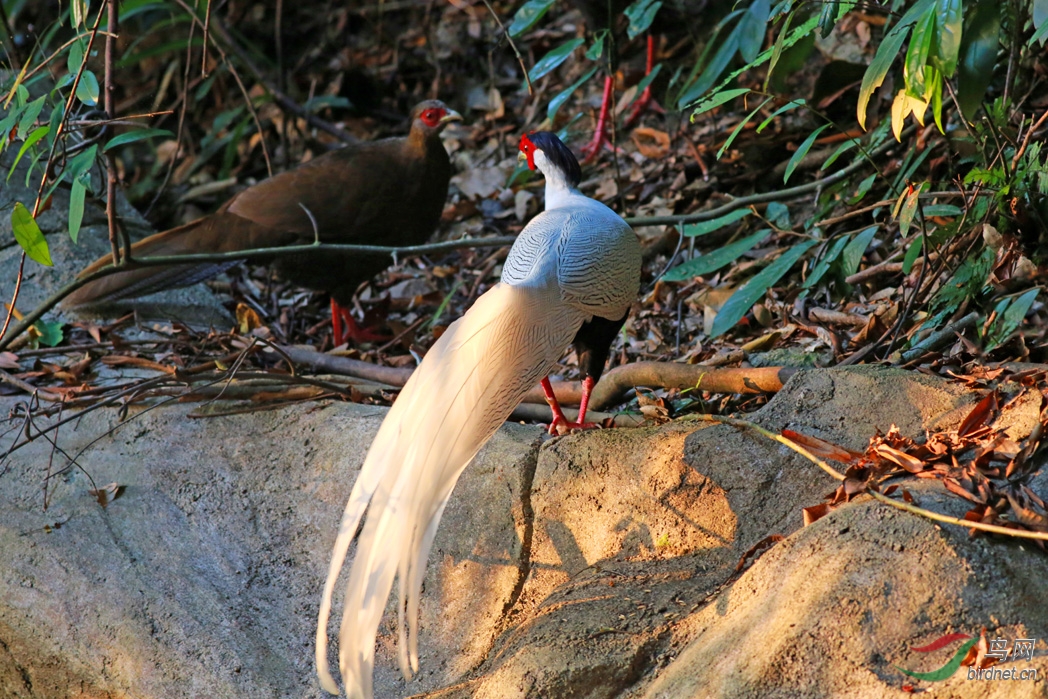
(558, 154)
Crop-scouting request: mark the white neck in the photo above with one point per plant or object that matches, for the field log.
(558, 191)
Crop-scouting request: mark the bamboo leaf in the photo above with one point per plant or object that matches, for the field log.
(87, 89)
(693, 230)
(557, 102)
(527, 16)
(917, 55)
(77, 197)
(641, 14)
(823, 265)
(879, 66)
(137, 135)
(978, 55)
(713, 261)
(29, 236)
(950, 18)
(752, 291)
(752, 28)
(789, 106)
(908, 210)
(802, 151)
(853, 252)
(718, 99)
(37, 134)
(738, 129)
(548, 63)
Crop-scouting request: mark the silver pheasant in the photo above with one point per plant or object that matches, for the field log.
(570, 277)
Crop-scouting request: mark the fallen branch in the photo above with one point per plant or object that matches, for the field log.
(612, 386)
(615, 383)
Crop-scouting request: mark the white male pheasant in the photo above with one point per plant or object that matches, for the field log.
(570, 277)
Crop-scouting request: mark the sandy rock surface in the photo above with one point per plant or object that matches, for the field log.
(600, 564)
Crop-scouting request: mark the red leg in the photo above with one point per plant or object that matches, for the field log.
(560, 424)
(645, 101)
(351, 330)
(337, 337)
(600, 136)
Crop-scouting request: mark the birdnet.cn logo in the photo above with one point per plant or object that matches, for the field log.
(980, 657)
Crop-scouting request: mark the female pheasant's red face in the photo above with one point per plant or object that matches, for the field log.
(528, 149)
(431, 117)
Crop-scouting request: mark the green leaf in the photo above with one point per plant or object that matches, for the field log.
(49, 333)
(752, 28)
(863, 188)
(776, 49)
(713, 69)
(879, 66)
(595, 51)
(647, 80)
(640, 14)
(978, 55)
(37, 134)
(526, 17)
(325, 101)
(778, 215)
(802, 151)
(854, 251)
(917, 54)
(823, 265)
(841, 150)
(78, 12)
(28, 235)
(693, 230)
(828, 18)
(548, 63)
(81, 163)
(942, 210)
(32, 111)
(908, 210)
(885, 56)
(1010, 315)
(557, 102)
(738, 129)
(76, 208)
(713, 261)
(912, 253)
(719, 98)
(752, 291)
(1039, 13)
(87, 89)
(789, 106)
(950, 18)
(136, 135)
(75, 57)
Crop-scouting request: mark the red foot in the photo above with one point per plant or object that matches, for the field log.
(352, 330)
(560, 424)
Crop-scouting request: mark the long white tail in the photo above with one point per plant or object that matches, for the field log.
(466, 386)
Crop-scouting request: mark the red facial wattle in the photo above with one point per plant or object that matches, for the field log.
(528, 149)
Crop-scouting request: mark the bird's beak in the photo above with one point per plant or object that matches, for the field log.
(521, 157)
(452, 115)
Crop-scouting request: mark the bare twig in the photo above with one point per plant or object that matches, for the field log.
(513, 46)
(118, 239)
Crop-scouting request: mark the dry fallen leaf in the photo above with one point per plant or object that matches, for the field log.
(651, 143)
(247, 319)
(106, 494)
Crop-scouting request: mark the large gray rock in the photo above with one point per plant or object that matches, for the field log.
(599, 564)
